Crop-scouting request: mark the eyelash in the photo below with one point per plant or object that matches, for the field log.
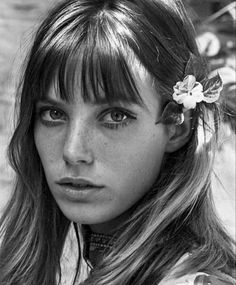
(42, 111)
(116, 125)
(113, 125)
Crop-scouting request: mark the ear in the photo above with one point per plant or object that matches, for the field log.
(179, 134)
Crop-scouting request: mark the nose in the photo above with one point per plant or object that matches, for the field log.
(77, 148)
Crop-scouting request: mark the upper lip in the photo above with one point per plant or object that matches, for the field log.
(78, 182)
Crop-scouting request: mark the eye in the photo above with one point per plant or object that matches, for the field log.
(51, 116)
(116, 117)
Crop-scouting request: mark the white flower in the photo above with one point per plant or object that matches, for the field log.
(188, 92)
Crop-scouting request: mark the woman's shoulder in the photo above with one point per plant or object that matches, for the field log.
(199, 278)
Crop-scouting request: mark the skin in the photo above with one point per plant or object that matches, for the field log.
(123, 153)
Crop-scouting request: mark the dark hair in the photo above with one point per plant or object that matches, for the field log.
(101, 38)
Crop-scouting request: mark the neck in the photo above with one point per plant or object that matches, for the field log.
(104, 228)
(113, 226)
(96, 245)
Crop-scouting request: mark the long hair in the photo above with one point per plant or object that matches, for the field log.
(99, 39)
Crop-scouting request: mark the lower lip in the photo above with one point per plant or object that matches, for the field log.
(75, 194)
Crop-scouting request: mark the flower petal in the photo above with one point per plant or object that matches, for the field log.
(198, 96)
(180, 87)
(179, 98)
(198, 87)
(189, 102)
(189, 82)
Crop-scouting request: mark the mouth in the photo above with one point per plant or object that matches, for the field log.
(78, 184)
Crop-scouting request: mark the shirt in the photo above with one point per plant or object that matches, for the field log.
(69, 262)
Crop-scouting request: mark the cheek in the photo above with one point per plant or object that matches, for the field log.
(134, 166)
(48, 148)
(142, 150)
(143, 166)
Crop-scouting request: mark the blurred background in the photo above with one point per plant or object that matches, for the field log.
(215, 25)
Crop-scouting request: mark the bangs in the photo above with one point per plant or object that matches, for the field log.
(96, 68)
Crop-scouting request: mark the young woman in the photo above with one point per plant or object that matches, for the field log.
(115, 115)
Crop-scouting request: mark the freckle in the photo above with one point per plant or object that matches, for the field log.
(105, 144)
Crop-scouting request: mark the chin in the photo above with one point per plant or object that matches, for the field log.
(85, 215)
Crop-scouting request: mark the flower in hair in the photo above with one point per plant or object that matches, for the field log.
(189, 92)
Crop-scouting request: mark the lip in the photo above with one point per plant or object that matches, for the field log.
(78, 189)
(78, 184)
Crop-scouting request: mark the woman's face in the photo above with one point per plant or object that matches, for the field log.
(100, 159)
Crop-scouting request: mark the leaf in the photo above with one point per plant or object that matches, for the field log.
(212, 88)
(172, 114)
